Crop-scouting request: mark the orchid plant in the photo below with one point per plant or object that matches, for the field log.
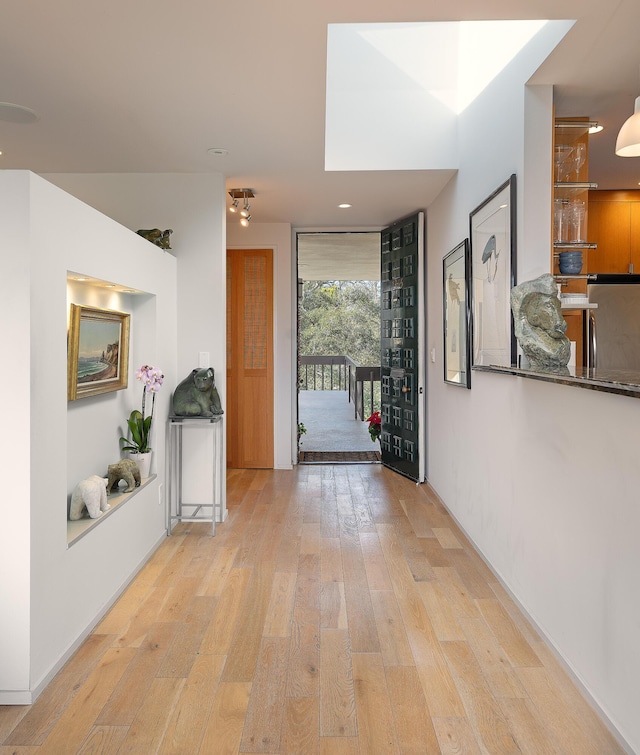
(139, 423)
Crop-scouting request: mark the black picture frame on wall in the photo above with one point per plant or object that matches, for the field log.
(456, 315)
(492, 233)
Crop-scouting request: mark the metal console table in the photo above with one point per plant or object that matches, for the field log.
(179, 510)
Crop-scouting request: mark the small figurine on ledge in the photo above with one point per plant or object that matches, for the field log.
(197, 395)
(157, 237)
(126, 470)
(89, 496)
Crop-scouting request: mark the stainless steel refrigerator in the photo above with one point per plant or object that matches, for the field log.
(614, 327)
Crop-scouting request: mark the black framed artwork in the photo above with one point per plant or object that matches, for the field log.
(456, 314)
(492, 230)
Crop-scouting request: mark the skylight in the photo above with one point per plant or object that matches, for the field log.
(396, 92)
(453, 61)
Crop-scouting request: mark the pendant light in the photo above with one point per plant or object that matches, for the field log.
(628, 141)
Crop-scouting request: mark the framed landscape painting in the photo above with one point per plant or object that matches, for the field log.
(456, 312)
(97, 352)
(492, 228)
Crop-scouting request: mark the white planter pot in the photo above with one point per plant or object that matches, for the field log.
(144, 463)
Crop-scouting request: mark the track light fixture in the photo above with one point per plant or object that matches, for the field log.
(245, 195)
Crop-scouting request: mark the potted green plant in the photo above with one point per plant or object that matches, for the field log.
(138, 445)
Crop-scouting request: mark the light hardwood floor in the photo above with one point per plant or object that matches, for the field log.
(338, 610)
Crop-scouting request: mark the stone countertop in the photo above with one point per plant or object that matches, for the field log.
(624, 382)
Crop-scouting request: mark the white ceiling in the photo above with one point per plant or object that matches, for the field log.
(132, 86)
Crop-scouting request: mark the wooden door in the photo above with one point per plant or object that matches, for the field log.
(249, 420)
(402, 368)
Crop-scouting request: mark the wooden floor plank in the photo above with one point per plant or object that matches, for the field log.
(413, 724)
(280, 609)
(103, 740)
(374, 563)
(394, 644)
(186, 727)
(220, 632)
(337, 699)
(263, 721)
(333, 606)
(224, 728)
(148, 727)
(184, 650)
(376, 727)
(243, 652)
(484, 714)
(456, 737)
(123, 704)
(507, 633)
(331, 560)
(304, 650)
(300, 726)
(493, 661)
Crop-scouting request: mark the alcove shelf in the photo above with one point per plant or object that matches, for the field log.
(79, 527)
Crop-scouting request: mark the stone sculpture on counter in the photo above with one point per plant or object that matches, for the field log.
(89, 495)
(157, 237)
(197, 395)
(539, 325)
(126, 470)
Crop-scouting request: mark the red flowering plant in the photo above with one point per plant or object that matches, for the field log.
(374, 426)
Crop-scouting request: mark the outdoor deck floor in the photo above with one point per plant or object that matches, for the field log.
(329, 419)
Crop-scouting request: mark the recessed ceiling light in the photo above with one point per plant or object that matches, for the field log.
(218, 151)
(344, 206)
(596, 129)
(16, 113)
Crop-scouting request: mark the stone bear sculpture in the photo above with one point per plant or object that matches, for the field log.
(126, 470)
(157, 237)
(197, 395)
(89, 495)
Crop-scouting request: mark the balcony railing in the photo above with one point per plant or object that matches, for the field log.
(341, 373)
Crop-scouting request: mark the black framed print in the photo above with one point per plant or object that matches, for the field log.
(456, 314)
(492, 227)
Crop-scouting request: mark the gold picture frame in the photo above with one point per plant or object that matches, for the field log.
(98, 351)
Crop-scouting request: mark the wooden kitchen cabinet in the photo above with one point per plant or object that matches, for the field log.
(614, 224)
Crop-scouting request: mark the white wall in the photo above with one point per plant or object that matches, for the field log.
(15, 382)
(57, 592)
(277, 236)
(542, 477)
(193, 205)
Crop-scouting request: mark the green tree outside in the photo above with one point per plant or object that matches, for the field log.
(341, 317)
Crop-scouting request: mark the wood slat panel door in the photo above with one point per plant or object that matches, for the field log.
(249, 419)
(401, 353)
